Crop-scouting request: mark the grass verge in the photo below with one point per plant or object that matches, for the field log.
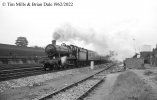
(129, 86)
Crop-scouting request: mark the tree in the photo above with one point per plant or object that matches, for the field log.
(21, 41)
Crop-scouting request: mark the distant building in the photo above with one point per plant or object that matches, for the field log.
(150, 56)
(146, 56)
(146, 53)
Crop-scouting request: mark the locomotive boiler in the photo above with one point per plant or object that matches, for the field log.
(67, 56)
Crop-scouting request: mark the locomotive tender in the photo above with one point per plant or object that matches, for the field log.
(64, 56)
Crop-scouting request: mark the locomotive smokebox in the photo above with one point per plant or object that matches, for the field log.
(54, 42)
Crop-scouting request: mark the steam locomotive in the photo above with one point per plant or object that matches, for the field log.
(65, 56)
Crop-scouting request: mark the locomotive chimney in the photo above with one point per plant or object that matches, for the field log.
(54, 42)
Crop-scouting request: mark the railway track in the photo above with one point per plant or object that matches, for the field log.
(14, 72)
(6, 74)
(77, 90)
(16, 66)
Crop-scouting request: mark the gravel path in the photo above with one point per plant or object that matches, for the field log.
(104, 89)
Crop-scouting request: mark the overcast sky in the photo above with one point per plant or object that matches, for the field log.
(101, 25)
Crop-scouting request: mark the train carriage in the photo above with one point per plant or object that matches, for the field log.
(93, 56)
(12, 54)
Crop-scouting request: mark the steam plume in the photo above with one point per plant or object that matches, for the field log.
(118, 40)
(84, 38)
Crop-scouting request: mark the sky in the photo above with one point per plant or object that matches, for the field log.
(122, 26)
